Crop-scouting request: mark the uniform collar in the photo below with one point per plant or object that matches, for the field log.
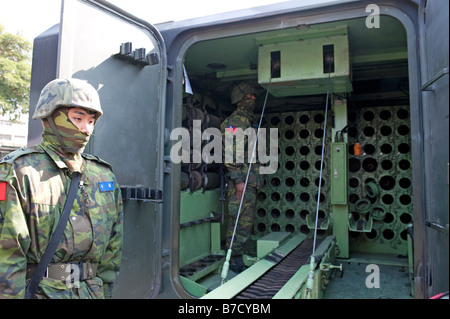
(56, 157)
(246, 112)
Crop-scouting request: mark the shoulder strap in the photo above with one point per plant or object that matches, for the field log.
(97, 159)
(56, 238)
(11, 157)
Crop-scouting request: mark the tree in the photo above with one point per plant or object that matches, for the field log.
(15, 74)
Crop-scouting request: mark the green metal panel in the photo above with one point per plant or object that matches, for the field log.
(340, 229)
(380, 180)
(338, 176)
(339, 173)
(288, 200)
(216, 237)
(192, 287)
(301, 63)
(195, 207)
(269, 242)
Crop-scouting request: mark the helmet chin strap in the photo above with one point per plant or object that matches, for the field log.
(64, 147)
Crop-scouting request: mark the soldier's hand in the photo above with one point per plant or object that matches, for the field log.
(239, 190)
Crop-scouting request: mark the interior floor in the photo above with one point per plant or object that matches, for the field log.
(359, 280)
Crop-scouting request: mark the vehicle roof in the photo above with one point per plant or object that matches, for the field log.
(249, 13)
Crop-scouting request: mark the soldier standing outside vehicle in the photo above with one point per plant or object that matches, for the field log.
(243, 118)
(33, 189)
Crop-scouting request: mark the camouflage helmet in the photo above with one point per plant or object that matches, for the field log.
(67, 92)
(240, 91)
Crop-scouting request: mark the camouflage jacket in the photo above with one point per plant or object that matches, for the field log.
(33, 187)
(241, 119)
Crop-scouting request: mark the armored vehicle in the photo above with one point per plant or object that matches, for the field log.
(353, 100)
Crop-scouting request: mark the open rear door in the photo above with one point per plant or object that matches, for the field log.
(433, 28)
(124, 58)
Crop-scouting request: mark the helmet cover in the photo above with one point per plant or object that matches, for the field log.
(240, 91)
(69, 93)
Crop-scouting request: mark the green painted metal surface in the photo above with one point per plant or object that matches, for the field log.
(380, 180)
(288, 200)
(269, 242)
(196, 207)
(339, 173)
(301, 62)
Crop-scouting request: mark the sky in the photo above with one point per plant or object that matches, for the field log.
(33, 17)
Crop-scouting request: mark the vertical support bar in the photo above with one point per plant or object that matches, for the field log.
(215, 237)
(340, 211)
(339, 178)
(410, 231)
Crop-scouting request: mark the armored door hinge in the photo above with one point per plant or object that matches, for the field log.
(142, 194)
(137, 57)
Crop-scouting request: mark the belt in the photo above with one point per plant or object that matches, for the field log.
(61, 271)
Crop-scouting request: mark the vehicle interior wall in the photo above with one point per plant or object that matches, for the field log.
(371, 111)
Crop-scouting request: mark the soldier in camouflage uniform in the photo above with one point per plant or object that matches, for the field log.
(242, 118)
(33, 189)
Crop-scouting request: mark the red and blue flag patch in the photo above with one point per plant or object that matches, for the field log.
(3, 191)
(232, 129)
